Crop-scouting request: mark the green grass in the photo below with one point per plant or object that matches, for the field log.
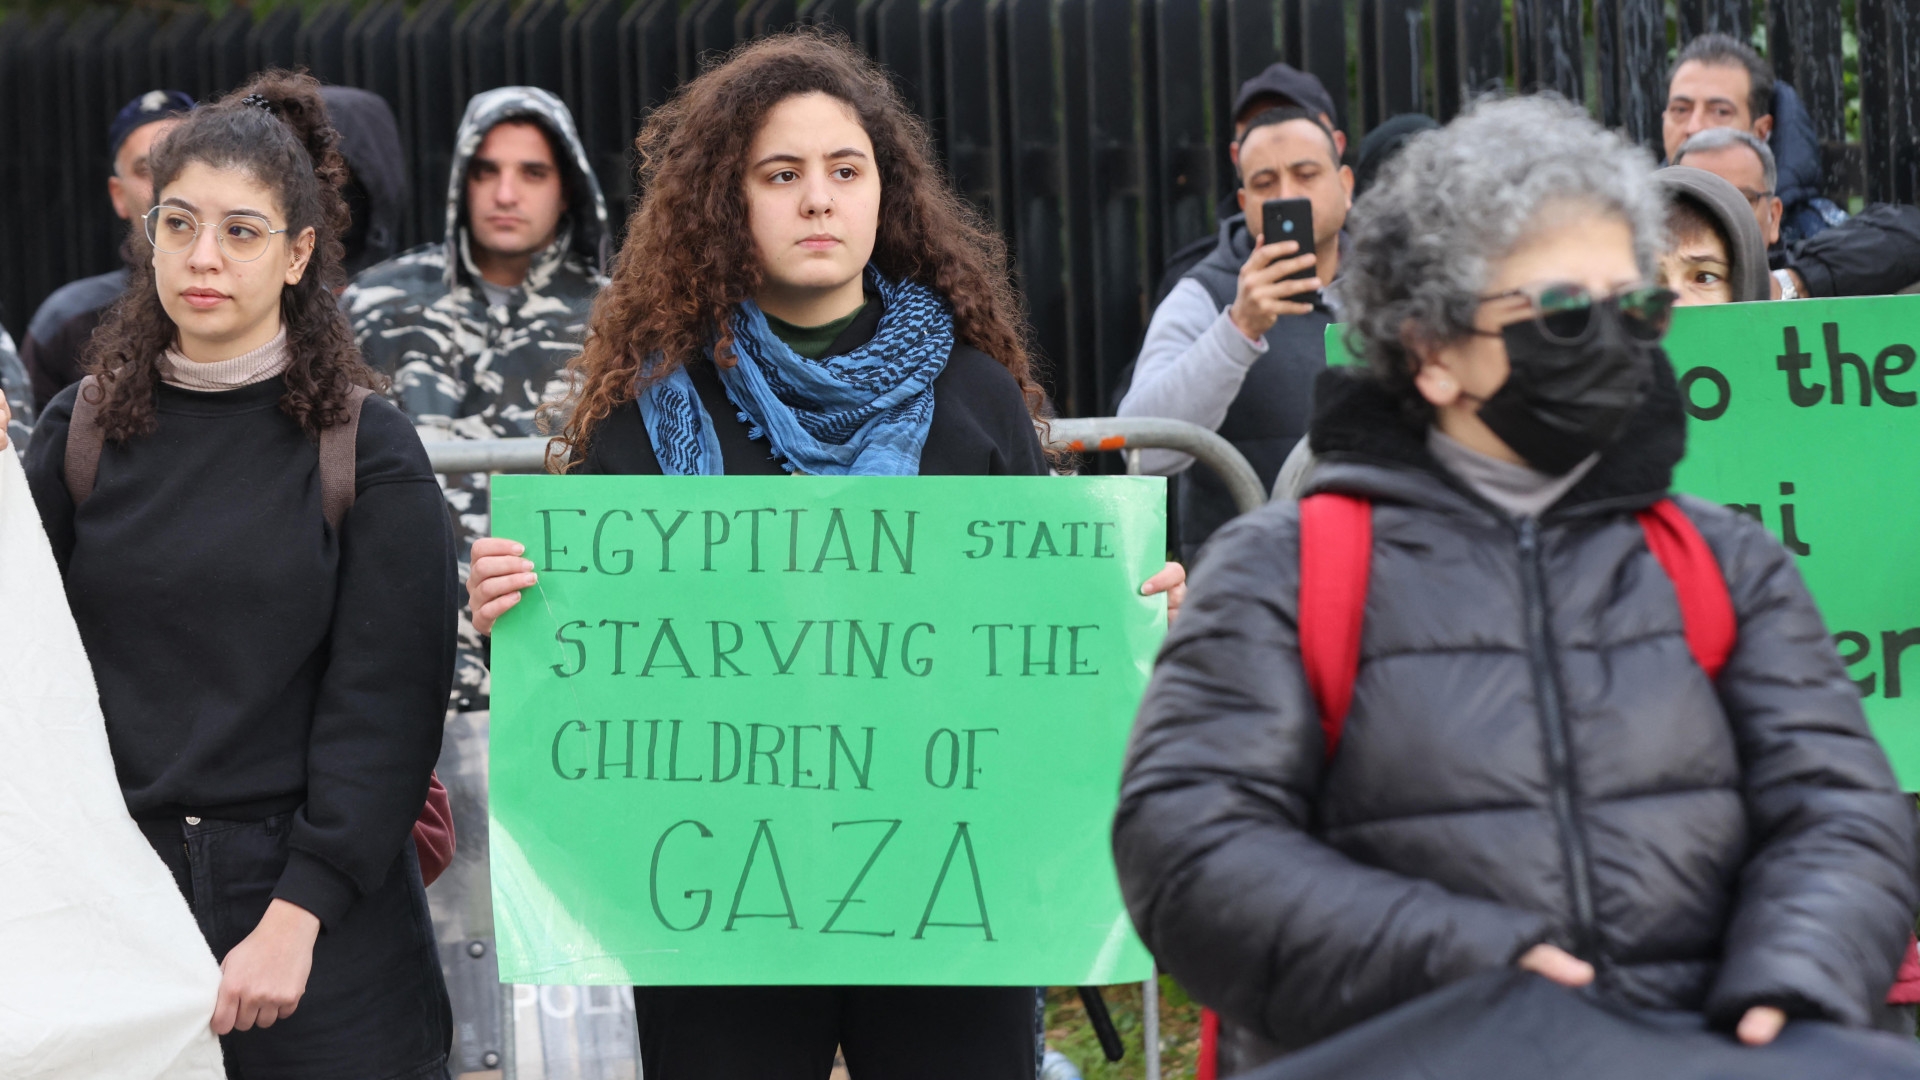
(1069, 1032)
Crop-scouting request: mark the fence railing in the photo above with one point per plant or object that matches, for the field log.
(1128, 433)
(1092, 131)
(488, 455)
(1089, 434)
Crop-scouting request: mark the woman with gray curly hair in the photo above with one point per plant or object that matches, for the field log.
(1534, 769)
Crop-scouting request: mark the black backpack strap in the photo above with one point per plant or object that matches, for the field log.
(339, 461)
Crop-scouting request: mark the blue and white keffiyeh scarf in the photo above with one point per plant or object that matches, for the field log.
(862, 414)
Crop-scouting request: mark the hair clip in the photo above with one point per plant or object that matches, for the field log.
(259, 102)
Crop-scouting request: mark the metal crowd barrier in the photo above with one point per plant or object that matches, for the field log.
(1121, 433)
(488, 455)
(1128, 433)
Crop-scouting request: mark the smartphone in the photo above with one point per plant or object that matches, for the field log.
(1290, 219)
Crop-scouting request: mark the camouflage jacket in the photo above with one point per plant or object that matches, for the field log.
(463, 368)
(18, 391)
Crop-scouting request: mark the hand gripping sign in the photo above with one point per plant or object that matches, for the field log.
(761, 730)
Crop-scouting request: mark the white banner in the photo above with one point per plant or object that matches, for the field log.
(103, 972)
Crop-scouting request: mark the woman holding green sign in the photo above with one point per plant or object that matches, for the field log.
(802, 292)
(1521, 729)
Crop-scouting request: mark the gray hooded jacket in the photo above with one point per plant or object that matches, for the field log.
(463, 368)
(1747, 252)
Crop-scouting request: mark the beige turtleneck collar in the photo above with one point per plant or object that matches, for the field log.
(246, 369)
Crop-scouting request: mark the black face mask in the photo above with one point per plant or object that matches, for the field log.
(1563, 403)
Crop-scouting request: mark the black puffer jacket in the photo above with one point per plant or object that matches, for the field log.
(1532, 756)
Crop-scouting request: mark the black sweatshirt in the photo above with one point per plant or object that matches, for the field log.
(250, 660)
(1873, 253)
(980, 425)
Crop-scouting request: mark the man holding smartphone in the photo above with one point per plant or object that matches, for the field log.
(1236, 344)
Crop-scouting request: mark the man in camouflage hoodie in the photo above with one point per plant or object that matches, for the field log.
(476, 330)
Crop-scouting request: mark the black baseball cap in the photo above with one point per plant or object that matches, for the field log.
(143, 110)
(1383, 144)
(1287, 81)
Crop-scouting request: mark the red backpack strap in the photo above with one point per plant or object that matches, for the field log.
(1706, 608)
(1207, 1066)
(1906, 982)
(1336, 559)
(433, 836)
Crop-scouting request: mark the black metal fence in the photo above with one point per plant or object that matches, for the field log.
(1092, 131)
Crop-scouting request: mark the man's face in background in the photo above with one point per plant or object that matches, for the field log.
(515, 191)
(1741, 167)
(1703, 96)
(1696, 264)
(1295, 160)
(131, 185)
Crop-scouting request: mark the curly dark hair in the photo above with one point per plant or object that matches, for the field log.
(688, 259)
(292, 148)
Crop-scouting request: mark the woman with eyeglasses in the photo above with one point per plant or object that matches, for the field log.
(1533, 770)
(267, 595)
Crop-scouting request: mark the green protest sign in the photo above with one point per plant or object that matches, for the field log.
(1803, 415)
(767, 730)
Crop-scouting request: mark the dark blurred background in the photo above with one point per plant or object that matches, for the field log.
(1092, 131)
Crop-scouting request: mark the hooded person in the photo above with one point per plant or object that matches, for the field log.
(476, 329)
(1872, 253)
(1714, 250)
(376, 190)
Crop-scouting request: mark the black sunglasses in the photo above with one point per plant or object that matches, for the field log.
(1564, 311)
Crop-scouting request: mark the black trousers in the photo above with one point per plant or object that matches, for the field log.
(790, 1032)
(375, 1007)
